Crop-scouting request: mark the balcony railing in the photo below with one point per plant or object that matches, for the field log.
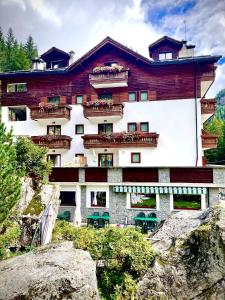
(103, 111)
(208, 106)
(53, 141)
(121, 140)
(209, 140)
(50, 112)
(104, 80)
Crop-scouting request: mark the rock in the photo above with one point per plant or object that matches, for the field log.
(56, 271)
(191, 261)
(27, 194)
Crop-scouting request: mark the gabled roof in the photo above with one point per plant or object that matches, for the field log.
(54, 50)
(163, 39)
(109, 41)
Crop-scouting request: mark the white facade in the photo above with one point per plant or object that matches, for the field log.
(173, 120)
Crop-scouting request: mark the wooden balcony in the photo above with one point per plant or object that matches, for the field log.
(209, 140)
(50, 112)
(109, 80)
(113, 111)
(53, 141)
(208, 106)
(120, 140)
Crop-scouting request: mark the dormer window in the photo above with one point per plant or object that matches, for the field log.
(111, 64)
(165, 55)
(16, 87)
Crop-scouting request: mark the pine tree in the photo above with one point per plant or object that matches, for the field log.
(10, 178)
(21, 62)
(30, 49)
(2, 50)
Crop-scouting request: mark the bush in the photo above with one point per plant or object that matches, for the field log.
(122, 255)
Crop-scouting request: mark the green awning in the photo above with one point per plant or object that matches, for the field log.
(159, 190)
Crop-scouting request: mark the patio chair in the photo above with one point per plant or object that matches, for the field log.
(64, 216)
(151, 225)
(139, 222)
(106, 222)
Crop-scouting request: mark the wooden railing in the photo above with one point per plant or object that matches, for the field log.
(108, 78)
(50, 112)
(209, 140)
(120, 140)
(53, 141)
(208, 106)
(98, 111)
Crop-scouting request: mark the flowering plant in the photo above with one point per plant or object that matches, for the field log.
(122, 136)
(47, 106)
(108, 69)
(99, 102)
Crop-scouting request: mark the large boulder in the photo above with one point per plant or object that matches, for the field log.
(56, 271)
(191, 260)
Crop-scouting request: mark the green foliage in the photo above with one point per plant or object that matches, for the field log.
(10, 178)
(220, 97)
(35, 206)
(9, 235)
(125, 255)
(31, 159)
(13, 55)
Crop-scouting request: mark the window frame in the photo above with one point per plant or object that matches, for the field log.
(135, 93)
(53, 102)
(15, 86)
(132, 157)
(58, 126)
(142, 123)
(165, 55)
(60, 157)
(111, 124)
(76, 127)
(132, 206)
(100, 206)
(99, 154)
(143, 91)
(132, 123)
(79, 154)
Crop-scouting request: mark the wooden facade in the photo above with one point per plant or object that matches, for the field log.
(53, 141)
(50, 112)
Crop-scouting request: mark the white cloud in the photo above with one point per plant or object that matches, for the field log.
(219, 82)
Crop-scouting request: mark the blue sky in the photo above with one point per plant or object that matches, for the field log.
(80, 24)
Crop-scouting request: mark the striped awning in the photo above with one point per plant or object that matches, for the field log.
(159, 189)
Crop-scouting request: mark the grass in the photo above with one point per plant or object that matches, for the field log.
(184, 204)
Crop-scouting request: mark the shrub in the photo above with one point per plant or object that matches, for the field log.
(122, 255)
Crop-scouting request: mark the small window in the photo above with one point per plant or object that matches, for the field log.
(79, 129)
(16, 87)
(144, 127)
(165, 55)
(144, 96)
(55, 159)
(98, 199)
(54, 100)
(67, 198)
(106, 128)
(17, 114)
(79, 99)
(79, 155)
(191, 202)
(132, 97)
(132, 127)
(135, 158)
(111, 64)
(105, 160)
(143, 200)
(105, 97)
(54, 130)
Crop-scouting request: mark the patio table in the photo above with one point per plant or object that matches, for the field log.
(145, 219)
(98, 217)
(96, 220)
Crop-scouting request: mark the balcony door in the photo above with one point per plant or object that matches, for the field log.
(105, 160)
(105, 128)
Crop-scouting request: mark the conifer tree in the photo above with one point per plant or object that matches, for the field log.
(10, 178)
(2, 50)
(30, 49)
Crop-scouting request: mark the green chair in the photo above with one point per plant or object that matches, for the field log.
(106, 222)
(64, 215)
(151, 225)
(139, 222)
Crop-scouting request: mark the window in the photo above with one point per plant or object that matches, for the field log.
(79, 129)
(17, 114)
(16, 87)
(55, 159)
(54, 100)
(105, 97)
(67, 198)
(79, 155)
(135, 158)
(132, 96)
(98, 199)
(187, 202)
(54, 130)
(79, 99)
(144, 127)
(111, 64)
(105, 160)
(142, 200)
(165, 55)
(144, 96)
(132, 127)
(105, 128)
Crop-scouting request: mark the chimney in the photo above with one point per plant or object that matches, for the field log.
(186, 50)
(38, 64)
(72, 57)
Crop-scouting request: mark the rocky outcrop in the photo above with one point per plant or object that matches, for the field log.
(56, 271)
(191, 260)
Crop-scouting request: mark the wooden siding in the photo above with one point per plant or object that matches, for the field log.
(191, 175)
(64, 175)
(96, 175)
(162, 82)
(140, 175)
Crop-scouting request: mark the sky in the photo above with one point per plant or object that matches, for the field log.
(79, 25)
